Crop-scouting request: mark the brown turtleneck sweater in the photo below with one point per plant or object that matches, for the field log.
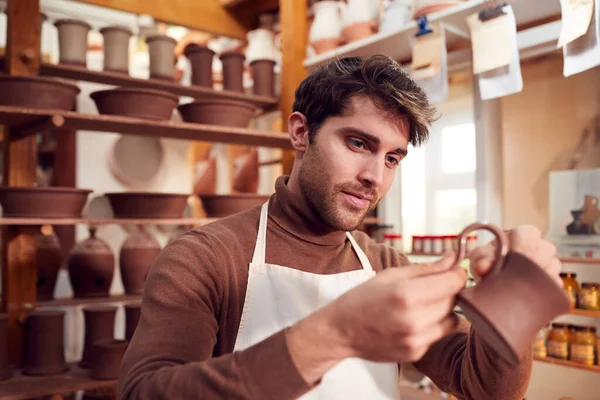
(193, 300)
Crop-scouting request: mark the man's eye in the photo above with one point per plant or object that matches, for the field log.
(359, 144)
(393, 161)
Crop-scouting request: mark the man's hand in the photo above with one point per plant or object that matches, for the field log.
(394, 317)
(526, 240)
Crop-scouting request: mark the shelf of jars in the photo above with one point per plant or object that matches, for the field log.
(567, 363)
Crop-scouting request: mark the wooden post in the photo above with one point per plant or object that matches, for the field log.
(292, 15)
(20, 161)
(64, 170)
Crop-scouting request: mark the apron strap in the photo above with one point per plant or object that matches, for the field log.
(361, 255)
(261, 239)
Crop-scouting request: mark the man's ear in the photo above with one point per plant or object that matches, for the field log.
(298, 131)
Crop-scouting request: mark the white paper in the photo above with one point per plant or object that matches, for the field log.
(506, 80)
(436, 87)
(576, 18)
(584, 53)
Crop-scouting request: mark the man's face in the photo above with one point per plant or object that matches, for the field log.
(351, 163)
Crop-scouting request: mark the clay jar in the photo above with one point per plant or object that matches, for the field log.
(91, 267)
(133, 311)
(201, 60)
(161, 49)
(108, 356)
(48, 258)
(116, 48)
(263, 75)
(72, 40)
(137, 254)
(99, 325)
(44, 343)
(5, 369)
(233, 70)
(513, 302)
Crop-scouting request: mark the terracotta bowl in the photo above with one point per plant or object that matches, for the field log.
(38, 92)
(42, 202)
(136, 102)
(218, 112)
(147, 204)
(219, 206)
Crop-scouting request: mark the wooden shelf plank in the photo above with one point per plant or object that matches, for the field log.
(580, 260)
(18, 116)
(106, 221)
(25, 387)
(117, 79)
(70, 301)
(585, 313)
(566, 363)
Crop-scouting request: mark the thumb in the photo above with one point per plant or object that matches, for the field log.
(443, 264)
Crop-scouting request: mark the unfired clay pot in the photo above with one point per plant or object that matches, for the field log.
(162, 56)
(72, 39)
(38, 92)
(99, 325)
(201, 60)
(233, 70)
(44, 343)
(116, 48)
(136, 102)
(5, 369)
(246, 175)
(91, 265)
(223, 112)
(513, 301)
(108, 356)
(137, 254)
(48, 257)
(263, 75)
(50, 202)
(147, 204)
(219, 206)
(133, 311)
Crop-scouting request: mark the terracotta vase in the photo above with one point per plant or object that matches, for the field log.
(246, 175)
(48, 256)
(72, 39)
(108, 356)
(201, 60)
(133, 311)
(233, 70)
(263, 75)
(206, 176)
(91, 265)
(116, 48)
(137, 254)
(161, 49)
(44, 352)
(5, 369)
(99, 325)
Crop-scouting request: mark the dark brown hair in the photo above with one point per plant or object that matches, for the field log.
(326, 92)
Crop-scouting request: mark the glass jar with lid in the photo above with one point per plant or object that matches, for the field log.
(539, 343)
(583, 348)
(571, 286)
(558, 341)
(589, 296)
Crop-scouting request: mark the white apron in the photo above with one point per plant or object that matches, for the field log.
(278, 296)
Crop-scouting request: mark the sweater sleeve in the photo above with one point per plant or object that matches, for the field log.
(463, 365)
(170, 354)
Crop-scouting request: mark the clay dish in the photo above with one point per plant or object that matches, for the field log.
(136, 102)
(147, 204)
(42, 202)
(38, 92)
(221, 112)
(219, 206)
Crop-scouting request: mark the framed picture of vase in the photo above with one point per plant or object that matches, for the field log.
(575, 212)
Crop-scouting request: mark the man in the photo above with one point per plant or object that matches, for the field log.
(282, 301)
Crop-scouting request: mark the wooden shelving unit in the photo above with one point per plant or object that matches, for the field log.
(585, 313)
(71, 301)
(31, 121)
(26, 387)
(106, 221)
(567, 363)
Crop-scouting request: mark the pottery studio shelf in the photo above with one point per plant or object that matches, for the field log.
(72, 301)
(105, 221)
(27, 387)
(585, 313)
(567, 363)
(31, 121)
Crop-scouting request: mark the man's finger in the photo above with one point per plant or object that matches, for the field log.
(443, 264)
(428, 289)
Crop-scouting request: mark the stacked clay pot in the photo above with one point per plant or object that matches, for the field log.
(108, 354)
(233, 70)
(91, 267)
(201, 60)
(99, 325)
(133, 312)
(48, 260)
(161, 50)
(137, 254)
(72, 39)
(44, 343)
(116, 48)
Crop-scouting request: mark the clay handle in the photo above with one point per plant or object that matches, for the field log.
(501, 248)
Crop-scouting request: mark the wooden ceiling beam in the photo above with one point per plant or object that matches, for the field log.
(259, 6)
(204, 15)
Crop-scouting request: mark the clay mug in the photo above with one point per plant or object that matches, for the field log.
(513, 301)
